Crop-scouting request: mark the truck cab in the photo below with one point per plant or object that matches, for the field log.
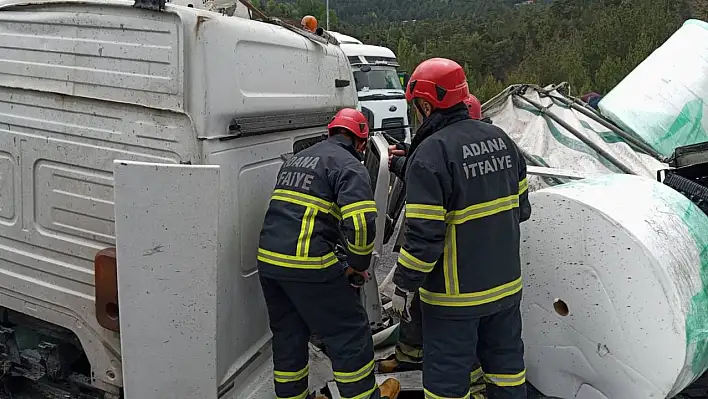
(139, 145)
(379, 87)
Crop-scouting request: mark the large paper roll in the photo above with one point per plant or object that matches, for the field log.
(665, 99)
(615, 303)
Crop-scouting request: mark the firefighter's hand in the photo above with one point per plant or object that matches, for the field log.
(401, 302)
(394, 151)
(356, 279)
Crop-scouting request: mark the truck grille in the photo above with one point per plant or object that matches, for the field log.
(388, 60)
(394, 127)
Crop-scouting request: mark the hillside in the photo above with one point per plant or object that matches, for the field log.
(592, 44)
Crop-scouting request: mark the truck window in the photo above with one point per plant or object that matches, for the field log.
(378, 79)
(302, 144)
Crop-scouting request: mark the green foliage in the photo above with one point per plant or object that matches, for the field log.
(592, 44)
(295, 10)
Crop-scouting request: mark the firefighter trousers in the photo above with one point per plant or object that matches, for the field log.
(333, 311)
(409, 349)
(450, 349)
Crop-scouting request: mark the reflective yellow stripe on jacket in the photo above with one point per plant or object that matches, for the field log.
(452, 296)
(301, 259)
(357, 212)
(297, 262)
(427, 212)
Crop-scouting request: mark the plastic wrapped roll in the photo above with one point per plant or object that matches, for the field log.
(615, 302)
(665, 99)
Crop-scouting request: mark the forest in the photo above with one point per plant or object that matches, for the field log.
(592, 44)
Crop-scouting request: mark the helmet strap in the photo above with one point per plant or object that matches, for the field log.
(420, 109)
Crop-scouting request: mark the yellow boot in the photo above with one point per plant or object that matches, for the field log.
(390, 389)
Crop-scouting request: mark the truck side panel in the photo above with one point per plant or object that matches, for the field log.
(265, 70)
(249, 167)
(105, 52)
(56, 186)
(76, 84)
(167, 276)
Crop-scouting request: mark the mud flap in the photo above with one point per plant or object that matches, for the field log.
(166, 220)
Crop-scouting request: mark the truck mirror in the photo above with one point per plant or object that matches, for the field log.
(365, 68)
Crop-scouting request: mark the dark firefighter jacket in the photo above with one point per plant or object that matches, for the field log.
(322, 195)
(398, 163)
(466, 194)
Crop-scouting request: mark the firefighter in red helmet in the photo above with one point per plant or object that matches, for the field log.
(321, 194)
(466, 194)
(409, 348)
(474, 107)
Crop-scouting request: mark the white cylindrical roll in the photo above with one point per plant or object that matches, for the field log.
(664, 99)
(614, 301)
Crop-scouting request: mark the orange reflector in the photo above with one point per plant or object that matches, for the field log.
(106, 281)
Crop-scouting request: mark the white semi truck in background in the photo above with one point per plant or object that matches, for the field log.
(381, 93)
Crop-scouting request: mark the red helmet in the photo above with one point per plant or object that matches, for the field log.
(352, 120)
(439, 81)
(474, 106)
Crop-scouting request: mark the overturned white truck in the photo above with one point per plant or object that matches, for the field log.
(138, 148)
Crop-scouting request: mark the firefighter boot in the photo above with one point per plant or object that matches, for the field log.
(390, 389)
(406, 358)
(393, 365)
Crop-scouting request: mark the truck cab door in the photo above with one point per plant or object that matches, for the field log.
(166, 221)
(376, 162)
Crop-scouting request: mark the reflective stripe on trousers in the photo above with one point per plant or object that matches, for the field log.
(295, 311)
(451, 346)
(506, 380)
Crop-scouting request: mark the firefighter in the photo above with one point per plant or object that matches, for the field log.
(409, 348)
(319, 191)
(474, 107)
(309, 23)
(466, 194)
